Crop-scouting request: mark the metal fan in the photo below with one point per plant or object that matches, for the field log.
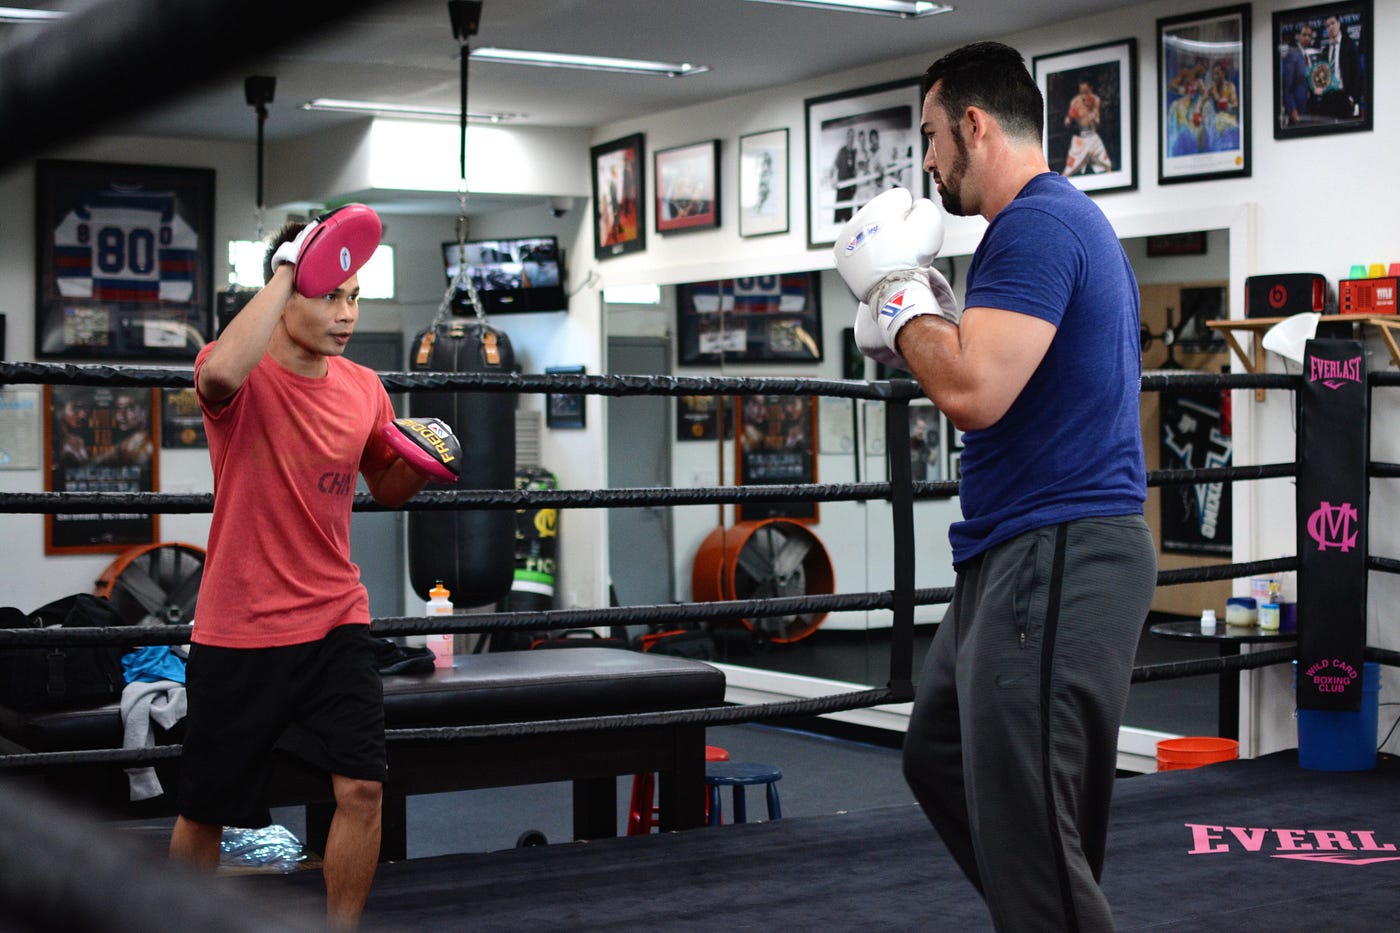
(776, 561)
(154, 584)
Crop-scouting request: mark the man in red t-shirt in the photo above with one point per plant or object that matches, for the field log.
(281, 653)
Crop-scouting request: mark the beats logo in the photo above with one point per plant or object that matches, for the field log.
(1277, 296)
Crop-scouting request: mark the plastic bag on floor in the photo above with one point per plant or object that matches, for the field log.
(271, 848)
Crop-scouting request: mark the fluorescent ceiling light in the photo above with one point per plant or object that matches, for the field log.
(905, 9)
(11, 14)
(404, 110)
(587, 62)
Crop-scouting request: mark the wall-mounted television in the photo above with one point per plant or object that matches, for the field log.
(511, 276)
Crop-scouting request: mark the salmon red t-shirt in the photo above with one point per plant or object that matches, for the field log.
(286, 449)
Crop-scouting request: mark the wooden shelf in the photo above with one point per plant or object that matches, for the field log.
(1256, 326)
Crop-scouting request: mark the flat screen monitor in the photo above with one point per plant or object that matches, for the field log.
(511, 276)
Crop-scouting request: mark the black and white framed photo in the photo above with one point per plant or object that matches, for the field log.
(125, 261)
(763, 183)
(619, 211)
(1091, 114)
(687, 187)
(860, 143)
(1323, 80)
(1203, 96)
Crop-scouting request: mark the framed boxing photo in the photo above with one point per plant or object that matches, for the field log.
(1203, 96)
(124, 261)
(1091, 114)
(1323, 80)
(619, 209)
(860, 143)
(687, 187)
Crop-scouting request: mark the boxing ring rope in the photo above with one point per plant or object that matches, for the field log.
(901, 491)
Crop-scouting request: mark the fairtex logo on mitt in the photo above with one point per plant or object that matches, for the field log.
(862, 235)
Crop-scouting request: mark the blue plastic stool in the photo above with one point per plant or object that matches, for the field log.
(738, 775)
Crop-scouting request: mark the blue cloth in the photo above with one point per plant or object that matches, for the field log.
(153, 663)
(1070, 446)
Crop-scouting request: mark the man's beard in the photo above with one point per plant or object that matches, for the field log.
(950, 187)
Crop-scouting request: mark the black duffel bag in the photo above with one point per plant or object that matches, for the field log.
(57, 677)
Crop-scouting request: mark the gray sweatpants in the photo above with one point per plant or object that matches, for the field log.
(1012, 744)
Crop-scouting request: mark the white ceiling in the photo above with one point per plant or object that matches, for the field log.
(404, 51)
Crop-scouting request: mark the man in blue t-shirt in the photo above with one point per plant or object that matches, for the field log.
(1012, 744)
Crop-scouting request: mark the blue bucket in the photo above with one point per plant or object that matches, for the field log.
(1329, 740)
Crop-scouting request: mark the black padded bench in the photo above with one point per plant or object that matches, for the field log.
(504, 687)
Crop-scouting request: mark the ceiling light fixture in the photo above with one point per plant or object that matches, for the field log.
(335, 105)
(904, 9)
(11, 14)
(587, 62)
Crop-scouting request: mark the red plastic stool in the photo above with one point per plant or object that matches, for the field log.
(643, 814)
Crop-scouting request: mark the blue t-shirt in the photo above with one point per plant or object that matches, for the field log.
(1070, 446)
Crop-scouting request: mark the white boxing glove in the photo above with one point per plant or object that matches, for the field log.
(891, 233)
(288, 252)
(871, 341)
(903, 296)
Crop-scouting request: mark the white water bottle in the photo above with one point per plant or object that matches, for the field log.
(441, 644)
(1208, 622)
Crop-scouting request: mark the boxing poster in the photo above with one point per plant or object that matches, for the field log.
(100, 440)
(1090, 121)
(125, 261)
(1323, 80)
(1203, 96)
(860, 143)
(777, 447)
(1196, 436)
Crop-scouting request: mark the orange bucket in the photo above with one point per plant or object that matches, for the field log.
(1194, 751)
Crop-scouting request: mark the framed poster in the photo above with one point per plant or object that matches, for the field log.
(687, 187)
(1323, 74)
(1203, 96)
(698, 418)
(124, 261)
(619, 213)
(759, 319)
(860, 143)
(1196, 519)
(925, 442)
(565, 409)
(100, 439)
(181, 421)
(763, 183)
(777, 447)
(1091, 114)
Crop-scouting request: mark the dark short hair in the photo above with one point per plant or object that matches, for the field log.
(993, 77)
(287, 234)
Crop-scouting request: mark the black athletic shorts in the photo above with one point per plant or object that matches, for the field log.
(322, 701)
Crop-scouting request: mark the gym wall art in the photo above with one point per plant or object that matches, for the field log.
(756, 319)
(858, 144)
(1323, 69)
(1203, 96)
(687, 187)
(619, 211)
(124, 261)
(1091, 114)
(100, 439)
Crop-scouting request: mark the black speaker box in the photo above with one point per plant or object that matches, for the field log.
(1285, 294)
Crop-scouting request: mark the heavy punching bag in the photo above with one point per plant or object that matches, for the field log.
(472, 551)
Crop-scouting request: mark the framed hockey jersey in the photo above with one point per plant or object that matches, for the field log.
(125, 261)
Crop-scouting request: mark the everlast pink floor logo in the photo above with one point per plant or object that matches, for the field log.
(1341, 846)
(1335, 373)
(1334, 526)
